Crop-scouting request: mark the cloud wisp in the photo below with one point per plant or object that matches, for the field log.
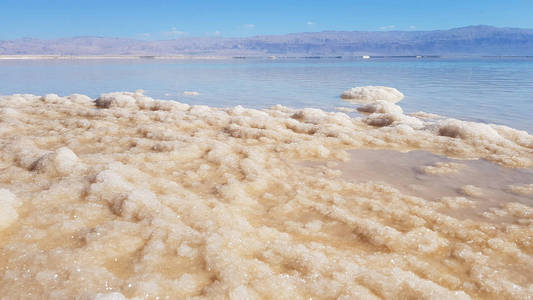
(174, 32)
(213, 33)
(387, 27)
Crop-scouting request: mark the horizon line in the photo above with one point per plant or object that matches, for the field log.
(261, 35)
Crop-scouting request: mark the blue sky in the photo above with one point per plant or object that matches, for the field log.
(173, 19)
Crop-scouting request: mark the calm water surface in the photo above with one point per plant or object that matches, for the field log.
(484, 90)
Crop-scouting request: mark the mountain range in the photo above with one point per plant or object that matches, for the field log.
(478, 40)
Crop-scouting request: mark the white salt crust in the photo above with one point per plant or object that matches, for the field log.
(345, 109)
(190, 93)
(367, 94)
(128, 197)
(443, 168)
(8, 208)
(472, 190)
(526, 189)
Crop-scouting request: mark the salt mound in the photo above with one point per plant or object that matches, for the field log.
(383, 113)
(467, 130)
(472, 190)
(8, 208)
(61, 162)
(345, 109)
(443, 168)
(393, 119)
(22, 152)
(366, 94)
(115, 100)
(457, 202)
(79, 98)
(526, 189)
(380, 106)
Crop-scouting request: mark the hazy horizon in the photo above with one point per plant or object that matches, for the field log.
(266, 35)
(480, 40)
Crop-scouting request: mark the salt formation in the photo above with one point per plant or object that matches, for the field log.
(381, 107)
(457, 202)
(190, 93)
(345, 109)
(443, 168)
(62, 162)
(366, 94)
(425, 115)
(383, 113)
(526, 189)
(8, 208)
(110, 296)
(131, 197)
(471, 190)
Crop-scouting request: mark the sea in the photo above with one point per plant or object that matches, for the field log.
(489, 90)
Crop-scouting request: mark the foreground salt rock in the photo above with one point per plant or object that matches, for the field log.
(368, 94)
(129, 197)
(8, 208)
(60, 162)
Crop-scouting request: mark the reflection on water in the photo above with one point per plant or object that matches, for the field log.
(486, 90)
(485, 183)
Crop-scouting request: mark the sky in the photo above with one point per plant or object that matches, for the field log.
(156, 20)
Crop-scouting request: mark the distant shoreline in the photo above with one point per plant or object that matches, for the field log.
(82, 57)
(192, 57)
(470, 41)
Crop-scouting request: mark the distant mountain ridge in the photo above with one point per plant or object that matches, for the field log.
(464, 41)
